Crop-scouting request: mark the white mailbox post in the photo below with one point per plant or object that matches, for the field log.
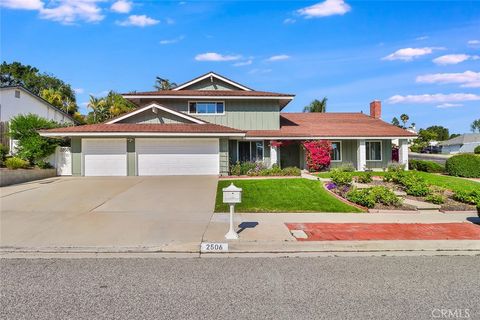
(231, 196)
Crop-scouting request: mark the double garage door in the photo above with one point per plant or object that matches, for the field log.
(153, 157)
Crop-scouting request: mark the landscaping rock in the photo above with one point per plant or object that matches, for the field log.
(421, 205)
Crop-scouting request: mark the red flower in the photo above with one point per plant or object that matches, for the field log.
(317, 154)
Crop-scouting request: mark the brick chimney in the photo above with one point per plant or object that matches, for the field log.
(376, 109)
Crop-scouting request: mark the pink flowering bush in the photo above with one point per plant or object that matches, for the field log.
(317, 154)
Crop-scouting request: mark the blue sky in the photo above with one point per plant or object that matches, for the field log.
(420, 58)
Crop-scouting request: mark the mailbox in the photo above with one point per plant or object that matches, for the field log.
(232, 194)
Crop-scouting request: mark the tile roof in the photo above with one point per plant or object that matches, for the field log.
(209, 93)
(154, 128)
(331, 124)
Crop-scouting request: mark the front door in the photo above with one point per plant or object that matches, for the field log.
(290, 155)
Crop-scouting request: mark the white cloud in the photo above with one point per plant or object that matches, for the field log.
(121, 6)
(467, 79)
(421, 38)
(79, 90)
(279, 57)
(138, 21)
(70, 11)
(22, 4)
(433, 98)
(454, 58)
(289, 21)
(408, 54)
(325, 9)
(172, 41)
(243, 63)
(213, 56)
(473, 42)
(449, 105)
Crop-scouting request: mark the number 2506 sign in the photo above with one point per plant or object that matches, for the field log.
(214, 247)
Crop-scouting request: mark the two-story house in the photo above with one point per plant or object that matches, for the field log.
(203, 125)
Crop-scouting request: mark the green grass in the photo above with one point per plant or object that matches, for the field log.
(282, 195)
(447, 182)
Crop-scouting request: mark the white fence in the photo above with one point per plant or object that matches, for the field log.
(62, 161)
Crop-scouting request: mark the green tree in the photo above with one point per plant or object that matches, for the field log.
(475, 126)
(15, 73)
(454, 135)
(107, 107)
(317, 106)
(404, 117)
(441, 133)
(163, 84)
(395, 122)
(31, 146)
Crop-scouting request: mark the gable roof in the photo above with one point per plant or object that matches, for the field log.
(22, 88)
(208, 93)
(213, 75)
(331, 125)
(463, 139)
(154, 106)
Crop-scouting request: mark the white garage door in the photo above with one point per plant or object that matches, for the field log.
(104, 157)
(157, 157)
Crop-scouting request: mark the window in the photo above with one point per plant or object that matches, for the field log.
(250, 151)
(206, 107)
(374, 150)
(17, 93)
(336, 154)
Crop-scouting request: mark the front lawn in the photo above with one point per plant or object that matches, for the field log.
(447, 182)
(282, 195)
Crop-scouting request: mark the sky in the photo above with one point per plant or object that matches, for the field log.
(421, 58)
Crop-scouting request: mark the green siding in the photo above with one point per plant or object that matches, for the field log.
(224, 169)
(76, 145)
(386, 156)
(207, 84)
(148, 116)
(131, 158)
(240, 114)
(349, 153)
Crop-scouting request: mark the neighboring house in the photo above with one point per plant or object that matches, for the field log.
(205, 124)
(15, 100)
(465, 143)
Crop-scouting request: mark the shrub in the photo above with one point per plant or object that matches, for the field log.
(435, 198)
(365, 178)
(292, 171)
(317, 154)
(476, 150)
(464, 165)
(414, 185)
(370, 196)
(426, 166)
(472, 197)
(341, 178)
(346, 167)
(44, 165)
(16, 163)
(247, 167)
(3, 154)
(235, 169)
(395, 167)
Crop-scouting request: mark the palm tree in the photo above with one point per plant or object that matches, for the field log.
(163, 84)
(54, 97)
(404, 117)
(317, 106)
(96, 105)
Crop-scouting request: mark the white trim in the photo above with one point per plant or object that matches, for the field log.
(138, 134)
(211, 74)
(341, 150)
(206, 114)
(207, 97)
(325, 138)
(381, 150)
(154, 105)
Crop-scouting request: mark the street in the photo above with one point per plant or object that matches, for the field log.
(436, 287)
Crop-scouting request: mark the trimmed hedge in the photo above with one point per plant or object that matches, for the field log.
(426, 166)
(476, 150)
(16, 163)
(464, 165)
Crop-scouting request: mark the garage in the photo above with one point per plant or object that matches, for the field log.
(104, 157)
(194, 156)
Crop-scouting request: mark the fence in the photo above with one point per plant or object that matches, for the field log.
(4, 139)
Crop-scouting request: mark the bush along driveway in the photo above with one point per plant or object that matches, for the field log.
(282, 195)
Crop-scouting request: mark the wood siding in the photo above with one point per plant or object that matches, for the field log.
(207, 84)
(149, 117)
(224, 160)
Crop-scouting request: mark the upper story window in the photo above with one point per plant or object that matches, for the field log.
(374, 150)
(336, 154)
(17, 93)
(206, 107)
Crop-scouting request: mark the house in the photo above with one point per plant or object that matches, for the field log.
(15, 100)
(465, 143)
(205, 124)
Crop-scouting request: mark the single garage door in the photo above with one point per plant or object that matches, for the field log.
(156, 157)
(104, 157)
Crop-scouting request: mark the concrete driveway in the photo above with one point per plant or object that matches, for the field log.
(168, 213)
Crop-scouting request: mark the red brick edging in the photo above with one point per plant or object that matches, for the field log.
(365, 209)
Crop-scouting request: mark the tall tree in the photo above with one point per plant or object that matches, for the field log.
(95, 104)
(404, 117)
(441, 133)
(163, 84)
(395, 122)
(15, 73)
(107, 107)
(475, 126)
(317, 106)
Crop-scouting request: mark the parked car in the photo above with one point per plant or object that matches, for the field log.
(432, 149)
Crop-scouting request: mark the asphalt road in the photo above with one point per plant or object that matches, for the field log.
(242, 288)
